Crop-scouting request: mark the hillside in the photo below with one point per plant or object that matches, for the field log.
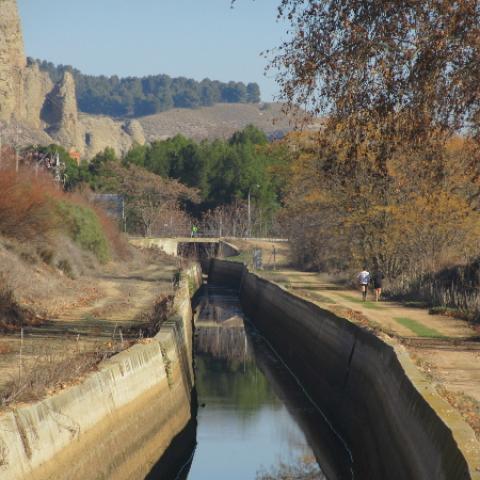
(137, 96)
(219, 121)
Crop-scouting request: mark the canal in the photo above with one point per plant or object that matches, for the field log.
(254, 419)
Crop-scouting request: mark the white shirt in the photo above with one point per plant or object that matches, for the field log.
(364, 277)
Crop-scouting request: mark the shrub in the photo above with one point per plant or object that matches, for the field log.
(66, 267)
(26, 207)
(12, 315)
(84, 227)
(46, 254)
(29, 257)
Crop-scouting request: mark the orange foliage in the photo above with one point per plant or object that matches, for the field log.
(416, 214)
(28, 207)
(26, 204)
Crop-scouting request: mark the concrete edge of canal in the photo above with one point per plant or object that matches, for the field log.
(395, 423)
(138, 398)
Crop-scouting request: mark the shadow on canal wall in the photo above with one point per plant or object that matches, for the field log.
(118, 421)
(357, 380)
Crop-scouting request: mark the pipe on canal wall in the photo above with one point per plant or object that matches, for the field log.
(357, 380)
(116, 423)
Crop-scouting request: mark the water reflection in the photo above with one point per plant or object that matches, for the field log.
(245, 431)
(306, 468)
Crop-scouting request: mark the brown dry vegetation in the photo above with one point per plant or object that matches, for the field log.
(218, 121)
(38, 257)
(392, 178)
(54, 370)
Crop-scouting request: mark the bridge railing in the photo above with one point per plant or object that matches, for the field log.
(206, 230)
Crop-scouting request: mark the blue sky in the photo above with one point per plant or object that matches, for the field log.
(191, 38)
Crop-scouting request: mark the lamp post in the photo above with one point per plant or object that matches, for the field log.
(249, 210)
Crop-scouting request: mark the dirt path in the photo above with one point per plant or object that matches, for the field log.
(123, 294)
(445, 349)
(392, 317)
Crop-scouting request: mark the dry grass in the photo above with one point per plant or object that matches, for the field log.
(151, 322)
(466, 405)
(54, 370)
(5, 348)
(217, 121)
(26, 204)
(12, 315)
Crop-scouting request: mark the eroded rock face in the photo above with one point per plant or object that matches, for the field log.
(134, 129)
(37, 86)
(101, 132)
(12, 61)
(60, 113)
(34, 110)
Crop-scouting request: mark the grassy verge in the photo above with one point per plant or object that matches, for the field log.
(418, 328)
(367, 304)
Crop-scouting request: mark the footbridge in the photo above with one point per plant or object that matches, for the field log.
(203, 247)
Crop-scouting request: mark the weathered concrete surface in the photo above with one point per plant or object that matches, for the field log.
(115, 423)
(171, 245)
(392, 430)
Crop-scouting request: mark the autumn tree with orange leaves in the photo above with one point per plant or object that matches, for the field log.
(393, 176)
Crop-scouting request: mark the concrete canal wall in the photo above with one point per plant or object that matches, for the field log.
(358, 381)
(116, 423)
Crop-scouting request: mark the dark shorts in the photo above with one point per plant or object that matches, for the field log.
(377, 284)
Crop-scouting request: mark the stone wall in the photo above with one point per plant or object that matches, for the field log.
(359, 382)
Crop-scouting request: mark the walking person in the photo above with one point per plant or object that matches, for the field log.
(378, 283)
(364, 279)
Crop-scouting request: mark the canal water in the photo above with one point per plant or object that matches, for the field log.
(254, 419)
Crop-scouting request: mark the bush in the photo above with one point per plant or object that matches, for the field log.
(66, 267)
(12, 315)
(26, 207)
(34, 209)
(46, 254)
(84, 227)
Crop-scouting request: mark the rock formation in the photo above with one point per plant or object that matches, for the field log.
(101, 132)
(12, 60)
(37, 86)
(134, 129)
(61, 114)
(34, 110)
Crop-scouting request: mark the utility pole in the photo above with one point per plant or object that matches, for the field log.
(249, 208)
(249, 214)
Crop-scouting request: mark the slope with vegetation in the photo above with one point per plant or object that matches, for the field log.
(72, 290)
(392, 179)
(133, 96)
(168, 184)
(53, 233)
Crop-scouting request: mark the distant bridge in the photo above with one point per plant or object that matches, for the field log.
(183, 245)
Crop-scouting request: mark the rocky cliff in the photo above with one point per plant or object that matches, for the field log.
(34, 110)
(12, 60)
(61, 115)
